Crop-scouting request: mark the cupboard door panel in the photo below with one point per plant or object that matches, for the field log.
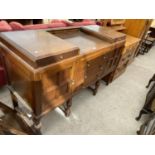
(56, 87)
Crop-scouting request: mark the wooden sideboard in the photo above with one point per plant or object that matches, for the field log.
(137, 27)
(47, 67)
(128, 55)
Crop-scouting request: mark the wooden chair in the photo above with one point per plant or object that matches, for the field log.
(149, 107)
(146, 44)
(148, 128)
(12, 121)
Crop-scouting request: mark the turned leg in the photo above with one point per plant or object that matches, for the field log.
(108, 79)
(107, 83)
(67, 109)
(97, 84)
(94, 90)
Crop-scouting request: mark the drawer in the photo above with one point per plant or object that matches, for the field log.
(93, 69)
(93, 65)
(101, 66)
(91, 79)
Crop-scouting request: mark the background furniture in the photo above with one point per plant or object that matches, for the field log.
(115, 24)
(146, 44)
(25, 21)
(137, 28)
(17, 25)
(12, 122)
(149, 106)
(11, 119)
(128, 55)
(148, 128)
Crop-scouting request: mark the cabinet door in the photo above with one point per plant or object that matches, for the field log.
(79, 74)
(56, 87)
(105, 63)
(110, 61)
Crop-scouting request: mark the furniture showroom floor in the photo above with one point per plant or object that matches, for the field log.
(111, 111)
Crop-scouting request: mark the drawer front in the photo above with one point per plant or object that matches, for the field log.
(92, 70)
(93, 65)
(101, 66)
(89, 80)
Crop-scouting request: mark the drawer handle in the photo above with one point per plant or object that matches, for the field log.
(101, 68)
(88, 65)
(61, 57)
(72, 82)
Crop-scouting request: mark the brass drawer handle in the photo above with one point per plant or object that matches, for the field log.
(101, 68)
(88, 65)
(104, 57)
(72, 82)
(61, 57)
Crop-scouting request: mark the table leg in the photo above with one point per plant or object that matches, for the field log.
(67, 109)
(94, 90)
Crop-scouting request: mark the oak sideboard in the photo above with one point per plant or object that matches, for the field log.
(48, 67)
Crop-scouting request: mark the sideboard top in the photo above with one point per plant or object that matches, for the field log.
(38, 44)
(42, 47)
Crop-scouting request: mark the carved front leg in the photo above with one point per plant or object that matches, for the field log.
(94, 90)
(97, 84)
